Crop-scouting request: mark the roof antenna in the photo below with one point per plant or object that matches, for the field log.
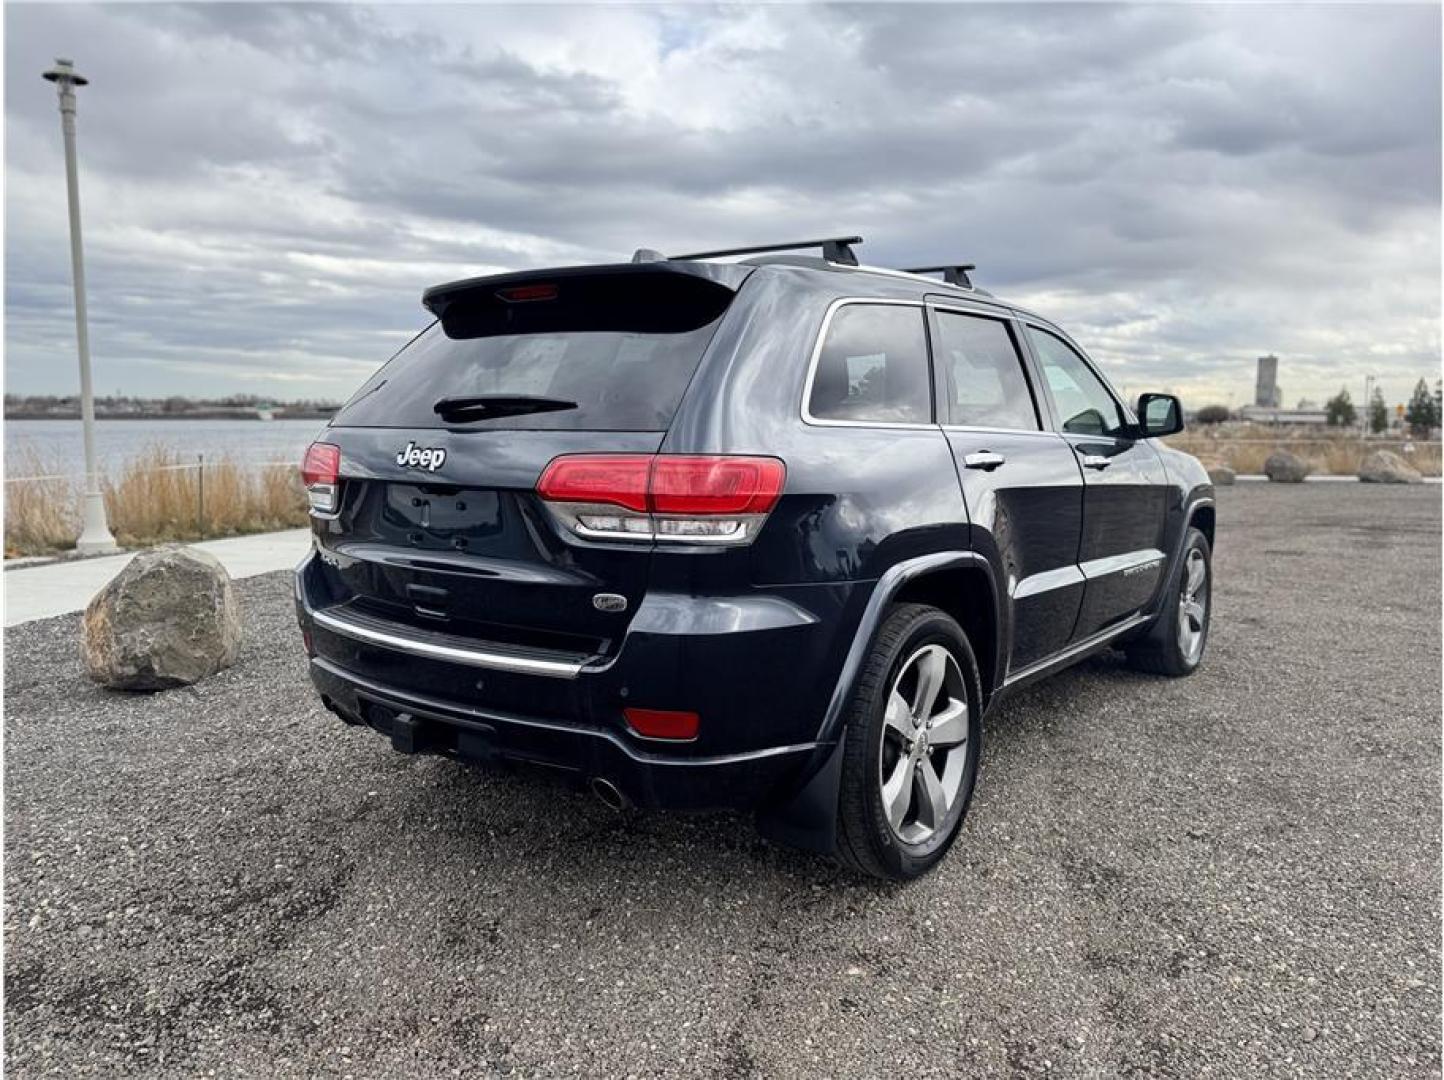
(646, 255)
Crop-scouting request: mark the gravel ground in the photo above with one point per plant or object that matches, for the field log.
(1234, 874)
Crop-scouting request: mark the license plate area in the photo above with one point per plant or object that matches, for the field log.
(433, 515)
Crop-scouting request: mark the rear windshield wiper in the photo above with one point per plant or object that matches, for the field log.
(491, 406)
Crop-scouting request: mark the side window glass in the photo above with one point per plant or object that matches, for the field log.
(873, 366)
(983, 374)
(1085, 407)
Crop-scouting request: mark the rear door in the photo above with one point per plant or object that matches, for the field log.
(440, 527)
(1125, 494)
(1022, 484)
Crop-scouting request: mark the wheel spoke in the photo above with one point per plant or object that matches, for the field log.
(1195, 574)
(950, 726)
(1193, 615)
(897, 791)
(898, 716)
(932, 669)
(932, 801)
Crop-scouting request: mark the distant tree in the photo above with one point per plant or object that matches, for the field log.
(175, 404)
(1340, 409)
(1422, 413)
(1378, 413)
(1211, 414)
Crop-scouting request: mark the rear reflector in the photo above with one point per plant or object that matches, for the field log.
(712, 499)
(321, 476)
(663, 723)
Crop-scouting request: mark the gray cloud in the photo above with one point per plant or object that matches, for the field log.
(268, 188)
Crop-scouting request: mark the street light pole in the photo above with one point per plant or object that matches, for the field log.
(95, 535)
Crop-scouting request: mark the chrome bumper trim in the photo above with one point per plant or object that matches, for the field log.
(524, 665)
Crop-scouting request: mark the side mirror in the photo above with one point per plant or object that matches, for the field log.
(1159, 415)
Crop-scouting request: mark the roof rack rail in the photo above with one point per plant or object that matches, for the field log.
(957, 274)
(836, 249)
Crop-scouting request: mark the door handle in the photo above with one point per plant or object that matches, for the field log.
(1096, 461)
(985, 460)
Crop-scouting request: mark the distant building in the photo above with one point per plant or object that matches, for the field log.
(1266, 393)
(1307, 414)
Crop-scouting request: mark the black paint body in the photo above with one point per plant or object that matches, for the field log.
(1041, 559)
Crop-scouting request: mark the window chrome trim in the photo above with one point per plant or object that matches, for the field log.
(524, 665)
(879, 425)
(979, 429)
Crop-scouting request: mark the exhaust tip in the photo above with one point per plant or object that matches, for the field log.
(609, 793)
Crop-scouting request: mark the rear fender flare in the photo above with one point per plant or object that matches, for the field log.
(808, 817)
(888, 586)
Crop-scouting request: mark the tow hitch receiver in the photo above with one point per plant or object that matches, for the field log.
(405, 733)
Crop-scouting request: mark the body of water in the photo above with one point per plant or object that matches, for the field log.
(56, 446)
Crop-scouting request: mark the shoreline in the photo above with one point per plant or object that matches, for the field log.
(219, 414)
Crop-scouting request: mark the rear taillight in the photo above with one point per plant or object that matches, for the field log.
(321, 475)
(669, 497)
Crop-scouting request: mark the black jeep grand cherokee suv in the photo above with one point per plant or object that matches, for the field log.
(766, 535)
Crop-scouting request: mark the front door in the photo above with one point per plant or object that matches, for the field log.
(1022, 484)
(1125, 504)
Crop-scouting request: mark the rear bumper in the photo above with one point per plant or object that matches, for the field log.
(759, 670)
(418, 724)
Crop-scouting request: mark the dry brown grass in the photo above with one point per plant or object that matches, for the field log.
(156, 497)
(1339, 455)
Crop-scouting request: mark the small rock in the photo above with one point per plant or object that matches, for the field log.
(169, 619)
(1286, 468)
(1221, 475)
(1310, 1034)
(1387, 467)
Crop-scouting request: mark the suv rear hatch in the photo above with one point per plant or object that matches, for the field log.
(437, 528)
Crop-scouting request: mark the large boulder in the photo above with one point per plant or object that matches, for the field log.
(169, 619)
(1387, 467)
(1286, 468)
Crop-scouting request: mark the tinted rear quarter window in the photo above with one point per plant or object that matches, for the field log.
(873, 367)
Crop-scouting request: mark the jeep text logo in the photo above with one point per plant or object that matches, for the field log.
(416, 457)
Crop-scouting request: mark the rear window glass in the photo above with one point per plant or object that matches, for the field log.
(626, 364)
(873, 367)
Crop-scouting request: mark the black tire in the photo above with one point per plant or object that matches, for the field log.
(867, 842)
(1162, 650)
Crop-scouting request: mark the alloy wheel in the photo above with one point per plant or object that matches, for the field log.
(923, 759)
(1193, 606)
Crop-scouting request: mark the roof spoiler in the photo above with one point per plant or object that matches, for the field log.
(439, 298)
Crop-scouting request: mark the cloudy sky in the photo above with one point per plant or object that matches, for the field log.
(268, 189)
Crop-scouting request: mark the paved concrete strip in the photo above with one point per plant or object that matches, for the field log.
(40, 592)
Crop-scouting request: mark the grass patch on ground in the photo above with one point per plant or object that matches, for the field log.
(1337, 455)
(156, 497)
